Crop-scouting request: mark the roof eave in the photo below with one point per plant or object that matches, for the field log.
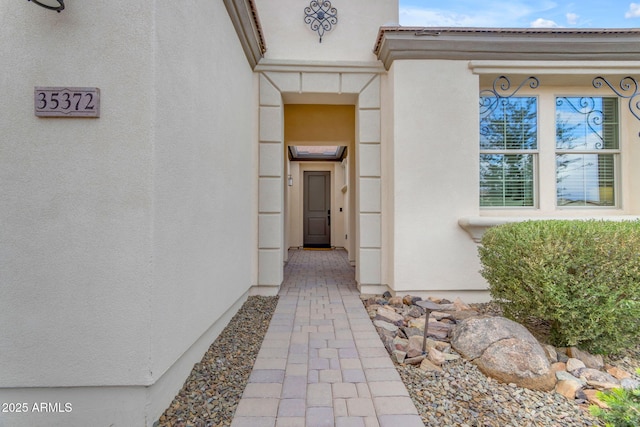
(506, 44)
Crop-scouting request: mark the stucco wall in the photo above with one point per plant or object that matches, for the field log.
(75, 197)
(434, 168)
(352, 39)
(205, 176)
(127, 240)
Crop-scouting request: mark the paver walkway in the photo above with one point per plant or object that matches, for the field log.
(322, 362)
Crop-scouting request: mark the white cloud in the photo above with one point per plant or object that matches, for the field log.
(494, 13)
(416, 17)
(572, 18)
(634, 11)
(543, 23)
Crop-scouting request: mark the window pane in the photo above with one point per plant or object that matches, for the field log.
(586, 179)
(508, 123)
(506, 180)
(586, 123)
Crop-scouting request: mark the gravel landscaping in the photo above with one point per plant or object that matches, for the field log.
(212, 391)
(459, 396)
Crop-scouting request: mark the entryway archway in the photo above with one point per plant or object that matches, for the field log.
(321, 85)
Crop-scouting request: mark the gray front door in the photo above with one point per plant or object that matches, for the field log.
(317, 209)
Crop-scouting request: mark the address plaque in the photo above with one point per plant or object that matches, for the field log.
(66, 101)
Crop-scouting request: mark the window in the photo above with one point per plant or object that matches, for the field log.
(508, 151)
(565, 156)
(587, 151)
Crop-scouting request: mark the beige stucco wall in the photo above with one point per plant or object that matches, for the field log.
(76, 202)
(127, 239)
(352, 39)
(433, 167)
(431, 139)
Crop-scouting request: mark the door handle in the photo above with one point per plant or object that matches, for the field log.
(329, 217)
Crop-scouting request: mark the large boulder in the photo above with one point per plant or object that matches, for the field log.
(504, 350)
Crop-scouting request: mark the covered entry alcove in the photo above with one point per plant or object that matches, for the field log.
(318, 142)
(320, 105)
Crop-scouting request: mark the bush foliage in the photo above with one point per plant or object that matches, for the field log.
(583, 277)
(624, 407)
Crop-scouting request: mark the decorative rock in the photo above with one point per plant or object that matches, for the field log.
(574, 365)
(473, 336)
(414, 348)
(562, 354)
(415, 311)
(399, 356)
(439, 345)
(568, 388)
(388, 314)
(462, 315)
(592, 397)
(385, 325)
(517, 361)
(409, 332)
(416, 323)
(437, 329)
(407, 300)
(460, 306)
(386, 295)
(504, 350)
(566, 376)
(414, 360)
(395, 302)
(551, 352)
(603, 386)
(559, 367)
(629, 384)
(449, 357)
(427, 365)
(439, 315)
(400, 344)
(590, 374)
(589, 360)
(436, 356)
(617, 373)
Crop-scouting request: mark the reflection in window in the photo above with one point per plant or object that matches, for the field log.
(587, 150)
(508, 151)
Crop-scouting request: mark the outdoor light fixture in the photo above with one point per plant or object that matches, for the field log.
(57, 5)
(290, 181)
(320, 16)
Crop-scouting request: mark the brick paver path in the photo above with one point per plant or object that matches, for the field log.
(322, 362)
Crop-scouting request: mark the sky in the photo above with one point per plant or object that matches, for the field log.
(520, 13)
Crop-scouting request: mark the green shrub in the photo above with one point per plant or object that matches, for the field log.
(583, 277)
(624, 407)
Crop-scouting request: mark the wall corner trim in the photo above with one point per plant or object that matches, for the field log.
(244, 17)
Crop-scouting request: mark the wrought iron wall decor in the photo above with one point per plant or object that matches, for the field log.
(628, 90)
(593, 117)
(320, 16)
(500, 90)
(58, 8)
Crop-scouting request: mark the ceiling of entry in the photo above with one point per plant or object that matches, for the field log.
(317, 152)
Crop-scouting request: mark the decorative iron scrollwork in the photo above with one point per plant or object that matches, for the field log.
(321, 17)
(58, 8)
(501, 89)
(594, 118)
(628, 90)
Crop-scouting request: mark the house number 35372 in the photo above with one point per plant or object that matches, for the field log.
(67, 102)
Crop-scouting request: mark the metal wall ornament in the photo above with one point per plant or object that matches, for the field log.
(59, 8)
(594, 118)
(628, 90)
(320, 16)
(500, 90)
